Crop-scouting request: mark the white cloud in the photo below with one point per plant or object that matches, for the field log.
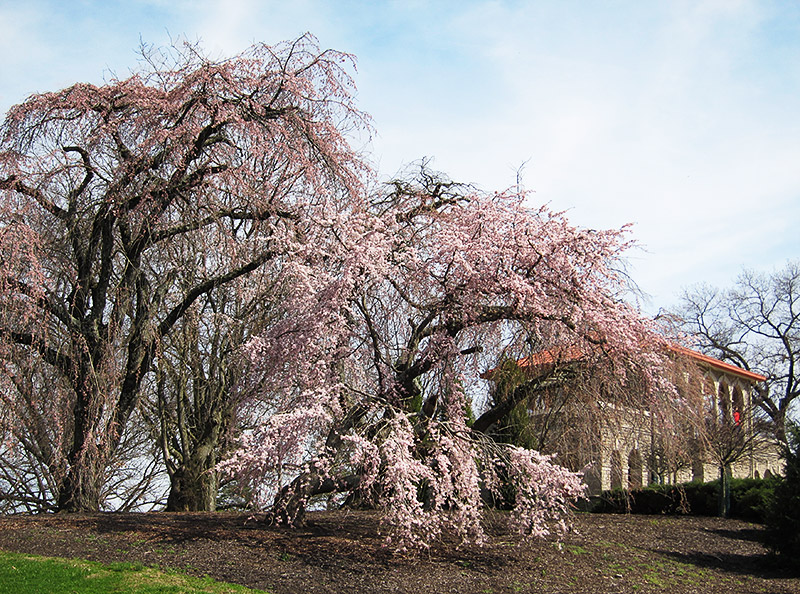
(681, 117)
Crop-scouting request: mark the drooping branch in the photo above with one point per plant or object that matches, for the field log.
(558, 377)
(291, 501)
(192, 295)
(13, 183)
(54, 357)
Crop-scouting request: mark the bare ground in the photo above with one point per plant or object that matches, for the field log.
(344, 552)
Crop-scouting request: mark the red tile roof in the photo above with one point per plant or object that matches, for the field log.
(552, 356)
(717, 364)
(574, 353)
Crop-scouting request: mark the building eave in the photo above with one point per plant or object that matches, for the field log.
(714, 363)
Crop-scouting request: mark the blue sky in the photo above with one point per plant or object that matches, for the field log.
(682, 118)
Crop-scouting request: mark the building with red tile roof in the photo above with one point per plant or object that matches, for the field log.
(620, 444)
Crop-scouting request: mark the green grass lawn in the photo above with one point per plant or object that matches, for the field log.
(28, 574)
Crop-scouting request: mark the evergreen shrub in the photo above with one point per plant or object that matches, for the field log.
(749, 499)
(783, 517)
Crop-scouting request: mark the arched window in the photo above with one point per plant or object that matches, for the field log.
(738, 406)
(593, 477)
(709, 394)
(724, 399)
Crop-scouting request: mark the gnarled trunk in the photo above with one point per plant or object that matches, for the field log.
(289, 507)
(193, 488)
(80, 490)
(195, 482)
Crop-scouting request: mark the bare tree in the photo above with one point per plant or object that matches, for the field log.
(755, 325)
(729, 440)
(194, 396)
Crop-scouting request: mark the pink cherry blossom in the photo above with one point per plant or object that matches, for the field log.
(390, 331)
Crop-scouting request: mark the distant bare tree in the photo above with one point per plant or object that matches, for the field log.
(755, 325)
(727, 441)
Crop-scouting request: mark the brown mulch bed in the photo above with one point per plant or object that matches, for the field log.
(344, 552)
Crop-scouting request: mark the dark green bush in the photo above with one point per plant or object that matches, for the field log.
(656, 499)
(749, 499)
(701, 498)
(783, 517)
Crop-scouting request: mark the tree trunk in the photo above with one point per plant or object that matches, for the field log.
(724, 500)
(780, 424)
(194, 483)
(290, 503)
(82, 484)
(80, 490)
(193, 486)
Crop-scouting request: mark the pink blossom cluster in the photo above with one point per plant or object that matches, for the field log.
(383, 346)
